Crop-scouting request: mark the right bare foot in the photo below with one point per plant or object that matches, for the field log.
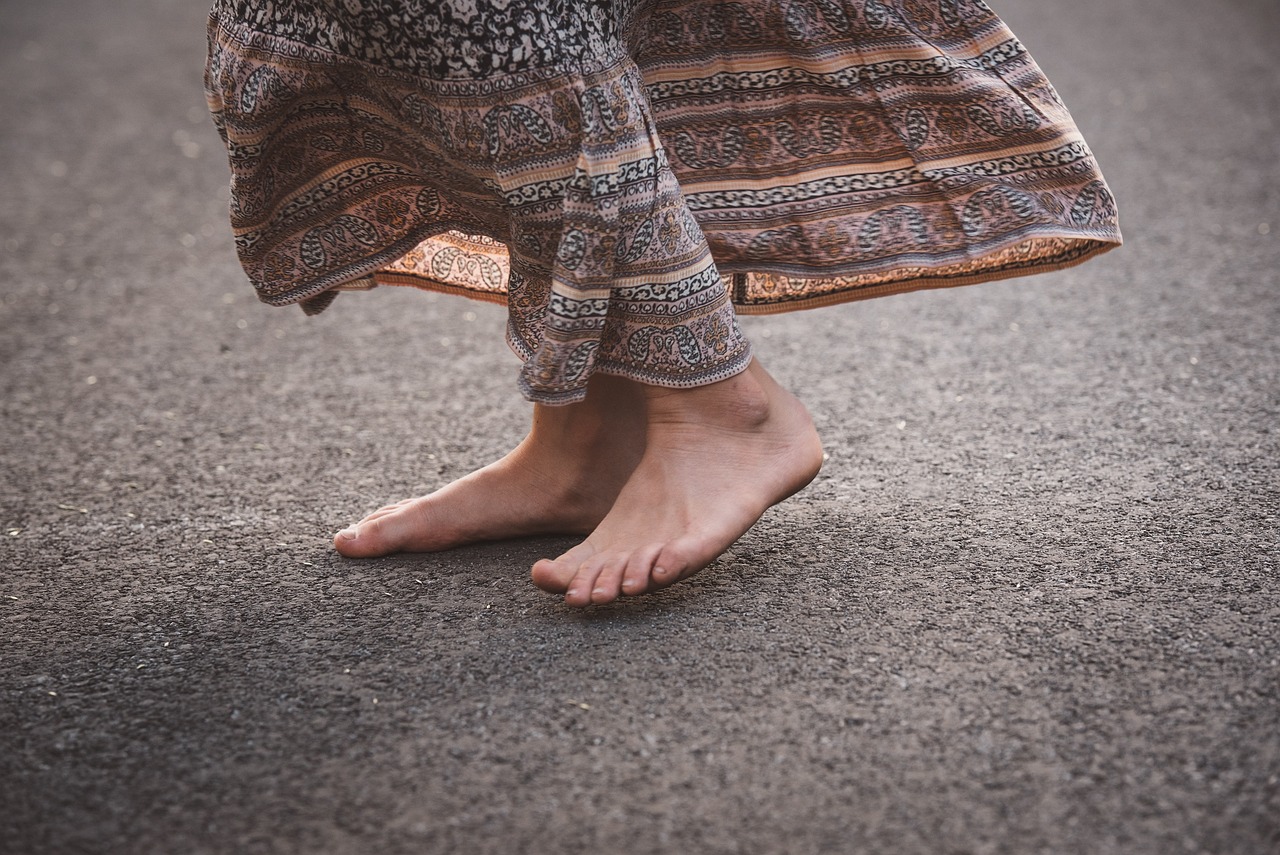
(562, 479)
(716, 458)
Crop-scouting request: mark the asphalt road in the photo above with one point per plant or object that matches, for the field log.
(1031, 605)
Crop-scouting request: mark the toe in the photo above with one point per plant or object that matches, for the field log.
(355, 542)
(582, 585)
(635, 580)
(550, 576)
(608, 582)
(369, 538)
(381, 512)
(554, 576)
(671, 565)
(345, 541)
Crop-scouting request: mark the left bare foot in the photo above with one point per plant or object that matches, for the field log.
(716, 458)
(562, 479)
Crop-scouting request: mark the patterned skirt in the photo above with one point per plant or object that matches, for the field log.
(623, 173)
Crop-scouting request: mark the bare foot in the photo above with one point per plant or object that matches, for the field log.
(716, 458)
(562, 479)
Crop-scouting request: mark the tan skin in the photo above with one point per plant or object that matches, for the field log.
(662, 481)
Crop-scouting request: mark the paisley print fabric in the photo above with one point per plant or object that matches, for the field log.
(622, 172)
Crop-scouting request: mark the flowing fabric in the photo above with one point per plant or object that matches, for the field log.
(623, 173)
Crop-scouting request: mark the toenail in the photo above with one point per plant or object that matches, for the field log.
(598, 591)
(347, 534)
(659, 571)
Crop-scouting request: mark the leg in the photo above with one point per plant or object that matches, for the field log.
(716, 457)
(562, 479)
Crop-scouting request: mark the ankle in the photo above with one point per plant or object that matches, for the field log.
(741, 402)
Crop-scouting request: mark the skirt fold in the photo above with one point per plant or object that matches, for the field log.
(624, 173)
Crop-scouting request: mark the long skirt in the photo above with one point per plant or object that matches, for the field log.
(624, 173)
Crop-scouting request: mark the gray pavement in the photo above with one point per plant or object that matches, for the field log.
(1031, 605)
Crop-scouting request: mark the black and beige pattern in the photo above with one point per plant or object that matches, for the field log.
(617, 171)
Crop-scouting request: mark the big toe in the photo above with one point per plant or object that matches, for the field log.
(367, 539)
(553, 576)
